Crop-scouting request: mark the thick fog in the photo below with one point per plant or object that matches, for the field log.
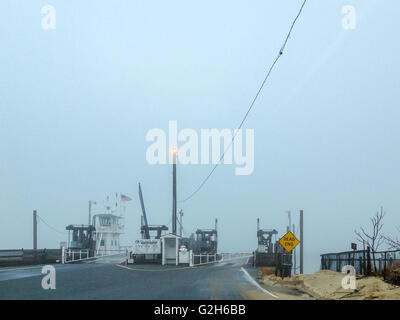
(78, 101)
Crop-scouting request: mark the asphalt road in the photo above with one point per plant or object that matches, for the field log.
(113, 280)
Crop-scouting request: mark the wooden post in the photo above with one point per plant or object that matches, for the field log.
(384, 268)
(34, 230)
(368, 260)
(294, 253)
(301, 243)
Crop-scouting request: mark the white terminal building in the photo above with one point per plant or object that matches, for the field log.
(108, 229)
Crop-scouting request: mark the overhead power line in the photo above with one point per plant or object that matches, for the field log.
(252, 102)
(54, 229)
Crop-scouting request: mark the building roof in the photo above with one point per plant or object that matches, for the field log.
(105, 215)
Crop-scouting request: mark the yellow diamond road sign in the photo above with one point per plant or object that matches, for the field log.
(289, 241)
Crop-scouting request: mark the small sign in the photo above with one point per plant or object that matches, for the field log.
(289, 241)
(354, 246)
(147, 246)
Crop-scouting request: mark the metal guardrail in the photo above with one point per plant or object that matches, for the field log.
(29, 256)
(7, 256)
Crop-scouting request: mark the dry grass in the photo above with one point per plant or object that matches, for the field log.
(393, 274)
(266, 271)
(326, 284)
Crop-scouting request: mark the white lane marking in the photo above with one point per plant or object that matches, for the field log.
(250, 278)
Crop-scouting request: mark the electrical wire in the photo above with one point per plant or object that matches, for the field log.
(252, 103)
(54, 229)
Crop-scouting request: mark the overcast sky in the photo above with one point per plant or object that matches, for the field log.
(77, 102)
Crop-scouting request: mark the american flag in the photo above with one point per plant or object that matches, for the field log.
(125, 198)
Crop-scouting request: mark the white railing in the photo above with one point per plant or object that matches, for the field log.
(75, 255)
(235, 256)
(202, 259)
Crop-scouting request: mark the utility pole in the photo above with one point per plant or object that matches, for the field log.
(290, 220)
(301, 242)
(34, 230)
(174, 151)
(180, 223)
(294, 252)
(216, 230)
(90, 211)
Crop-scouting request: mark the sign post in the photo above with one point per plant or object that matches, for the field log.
(288, 242)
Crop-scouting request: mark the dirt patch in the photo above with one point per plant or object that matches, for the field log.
(266, 271)
(327, 285)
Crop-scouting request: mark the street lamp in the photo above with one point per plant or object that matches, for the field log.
(290, 220)
(174, 202)
(289, 228)
(90, 210)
